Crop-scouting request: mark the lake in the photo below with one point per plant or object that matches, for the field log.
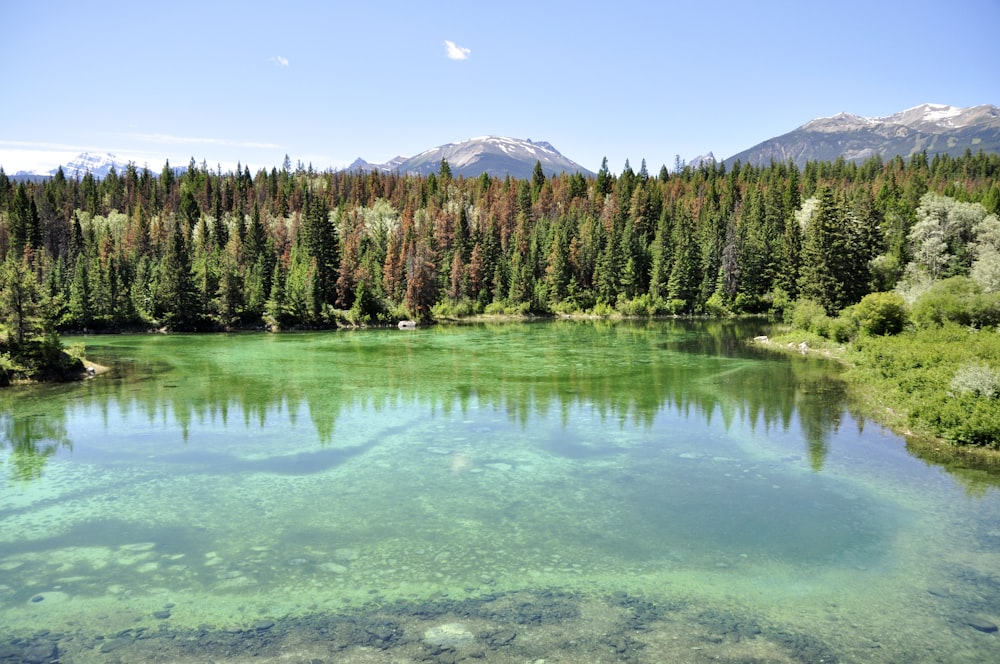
(571, 491)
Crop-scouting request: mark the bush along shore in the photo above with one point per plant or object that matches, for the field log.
(43, 360)
(929, 369)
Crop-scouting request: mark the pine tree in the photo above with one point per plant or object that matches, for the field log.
(824, 245)
(25, 225)
(685, 275)
(81, 305)
(662, 254)
(20, 300)
(322, 245)
(176, 296)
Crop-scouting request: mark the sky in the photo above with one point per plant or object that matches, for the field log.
(326, 82)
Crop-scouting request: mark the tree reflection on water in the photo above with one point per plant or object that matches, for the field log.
(626, 370)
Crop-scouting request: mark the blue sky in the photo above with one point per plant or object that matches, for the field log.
(326, 82)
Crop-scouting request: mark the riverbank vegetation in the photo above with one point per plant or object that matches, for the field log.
(199, 249)
(930, 369)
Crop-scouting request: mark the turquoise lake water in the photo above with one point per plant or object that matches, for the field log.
(211, 482)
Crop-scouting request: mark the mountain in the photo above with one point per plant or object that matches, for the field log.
(707, 159)
(390, 166)
(935, 128)
(98, 165)
(495, 155)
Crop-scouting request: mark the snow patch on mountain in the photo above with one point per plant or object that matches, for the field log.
(930, 118)
(495, 155)
(933, 128)
(97, 164)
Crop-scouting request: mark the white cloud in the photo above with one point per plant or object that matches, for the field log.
(456, 52)
(281, 60)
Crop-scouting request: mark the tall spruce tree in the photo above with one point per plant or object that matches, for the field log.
(821, 276)
(176, 295)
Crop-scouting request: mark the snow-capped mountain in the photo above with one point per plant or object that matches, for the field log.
(390, 166)
(938, 117)
(936, 128)
(706, 159)
(495, 155)
(97, 164)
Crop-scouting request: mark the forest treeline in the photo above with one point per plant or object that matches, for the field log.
(285, 248)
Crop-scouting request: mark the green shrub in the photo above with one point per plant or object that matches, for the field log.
(978, 379)
(959, 300)
(779, 301)
(806, 314)
(602, 309)
(495, 309)
(880, 314)
(944, 380)
(750, 304)
(643, 305)
(716, 306)
(841, 329)
(453, 309)
(965, 419)
(676, 307)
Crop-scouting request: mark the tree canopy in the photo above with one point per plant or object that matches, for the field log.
(201, 250)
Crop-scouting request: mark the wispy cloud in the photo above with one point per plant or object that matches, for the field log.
(281, 60)
(456, 52)
(168, 139)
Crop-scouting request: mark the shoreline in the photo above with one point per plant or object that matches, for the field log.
(922, 443)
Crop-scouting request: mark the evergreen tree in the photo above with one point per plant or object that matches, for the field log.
(81, 305)
(604, 182)
(789, 252)
(822, 275)
(662, 257)
(20, 301)
(25, 226)
(176, 296)
(444, 171)
(685, 275)
(321, 245)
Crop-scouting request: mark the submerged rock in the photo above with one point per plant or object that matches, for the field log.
(449, 635)
(981, 623)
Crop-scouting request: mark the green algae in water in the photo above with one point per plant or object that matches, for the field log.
(233, 475)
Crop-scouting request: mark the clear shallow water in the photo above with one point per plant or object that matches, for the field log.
(227, 478)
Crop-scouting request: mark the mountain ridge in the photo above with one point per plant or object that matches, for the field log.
(495, 155)
(936, 128)
(98, 164)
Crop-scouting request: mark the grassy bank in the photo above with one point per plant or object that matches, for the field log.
(938, 386)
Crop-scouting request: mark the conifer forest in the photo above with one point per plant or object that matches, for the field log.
(201, 250)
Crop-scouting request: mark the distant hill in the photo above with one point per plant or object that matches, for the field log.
(936, 128)
(495, 155)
